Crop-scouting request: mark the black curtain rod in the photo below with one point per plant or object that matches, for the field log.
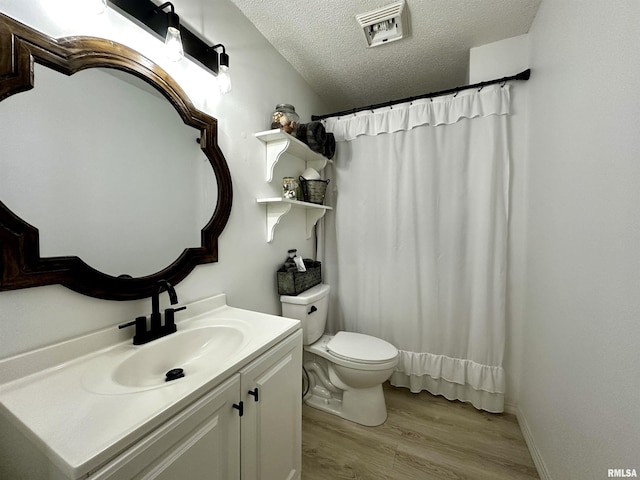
(525, 75)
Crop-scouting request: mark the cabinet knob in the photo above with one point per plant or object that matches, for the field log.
(240, 407)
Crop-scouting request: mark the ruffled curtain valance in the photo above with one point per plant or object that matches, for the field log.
(446, 110)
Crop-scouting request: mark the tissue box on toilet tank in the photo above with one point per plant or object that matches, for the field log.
(293, 283)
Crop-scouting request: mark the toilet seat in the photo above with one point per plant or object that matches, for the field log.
(362, 349)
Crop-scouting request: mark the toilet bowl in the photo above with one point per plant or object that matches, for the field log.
(345, 371)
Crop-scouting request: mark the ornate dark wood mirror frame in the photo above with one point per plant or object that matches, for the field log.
(20, 263)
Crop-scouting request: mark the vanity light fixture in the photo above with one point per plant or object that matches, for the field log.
(219, 62)
(173, 40)
(151, 16)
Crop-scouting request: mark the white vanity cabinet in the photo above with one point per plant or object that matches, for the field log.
(248, 428)
(96, 407)
(271, 433)
(201, 442)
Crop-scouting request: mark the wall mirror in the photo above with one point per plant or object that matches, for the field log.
(104, 187)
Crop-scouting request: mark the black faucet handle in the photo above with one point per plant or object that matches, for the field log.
(171, 311)
(128, 324)
(169, 318)
(140, 336)
(139, 322)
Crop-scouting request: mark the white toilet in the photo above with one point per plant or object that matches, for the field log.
(346, 371)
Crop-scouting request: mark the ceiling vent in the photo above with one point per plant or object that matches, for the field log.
(385, 24)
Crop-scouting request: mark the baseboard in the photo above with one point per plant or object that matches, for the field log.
(543, 473)
(511, 408)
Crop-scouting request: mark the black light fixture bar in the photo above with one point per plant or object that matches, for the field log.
(223, 58)
(148, 14)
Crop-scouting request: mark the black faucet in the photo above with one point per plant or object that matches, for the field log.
(156, 328)
(156, 317)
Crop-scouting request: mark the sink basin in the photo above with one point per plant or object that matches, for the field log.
(190, 350)
(197, 350)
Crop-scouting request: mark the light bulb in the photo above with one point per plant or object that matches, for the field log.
(224, 79)
(173, 42)
(99, 6)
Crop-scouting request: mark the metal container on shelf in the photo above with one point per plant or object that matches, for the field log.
(313, 190)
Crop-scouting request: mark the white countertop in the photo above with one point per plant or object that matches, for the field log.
(80, 426)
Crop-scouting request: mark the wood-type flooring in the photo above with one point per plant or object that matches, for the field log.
(425, 437)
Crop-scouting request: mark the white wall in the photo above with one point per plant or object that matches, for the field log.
(39, 316)
(580, 391)
(572, 356)
(489, 62)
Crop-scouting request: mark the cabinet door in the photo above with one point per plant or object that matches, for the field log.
(271, 428)
(200, 443)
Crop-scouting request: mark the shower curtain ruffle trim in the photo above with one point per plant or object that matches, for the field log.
(492, 100)
(454, 370)
(490, 402)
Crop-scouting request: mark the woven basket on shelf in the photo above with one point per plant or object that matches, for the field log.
(313, 190)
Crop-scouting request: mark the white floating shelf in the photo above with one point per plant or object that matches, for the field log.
(278, 207)
(279, 143)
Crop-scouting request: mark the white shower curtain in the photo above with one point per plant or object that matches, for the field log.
(416, 249)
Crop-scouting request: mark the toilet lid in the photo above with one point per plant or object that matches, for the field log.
(361, 348)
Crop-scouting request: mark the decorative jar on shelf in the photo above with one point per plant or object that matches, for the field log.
(290, 188)
(285, 118)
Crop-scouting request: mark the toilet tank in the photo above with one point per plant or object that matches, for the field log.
(310, 307)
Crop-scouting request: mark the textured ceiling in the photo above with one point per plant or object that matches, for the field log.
(323, 42)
